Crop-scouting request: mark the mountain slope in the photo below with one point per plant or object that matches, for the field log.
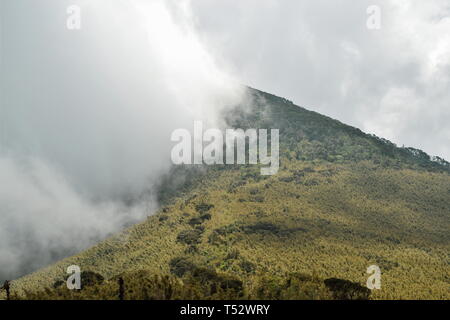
(342, 201)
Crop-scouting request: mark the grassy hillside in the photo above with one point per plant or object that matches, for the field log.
(342, 201)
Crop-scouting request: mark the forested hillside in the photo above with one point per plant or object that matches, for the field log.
(342, 200)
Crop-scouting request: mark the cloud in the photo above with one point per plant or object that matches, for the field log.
(42, 217)
(87, 115)
(392, 82)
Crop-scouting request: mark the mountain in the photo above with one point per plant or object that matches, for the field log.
(342, 201)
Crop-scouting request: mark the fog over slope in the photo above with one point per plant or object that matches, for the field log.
(393, 81)
(86, 119)
(86, 116)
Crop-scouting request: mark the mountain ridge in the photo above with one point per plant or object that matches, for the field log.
(342, 201)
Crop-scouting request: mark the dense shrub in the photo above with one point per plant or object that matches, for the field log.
(347, 290)
(180, 266)
(190, 236)
(203, 207)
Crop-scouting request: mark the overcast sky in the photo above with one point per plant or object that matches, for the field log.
(394, 82)
(86, 115)
(86, 118)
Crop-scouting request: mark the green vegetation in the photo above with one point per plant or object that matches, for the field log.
(342, 201)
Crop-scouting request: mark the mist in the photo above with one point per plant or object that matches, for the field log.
(86, 118)
(86, 115)
(393, 82)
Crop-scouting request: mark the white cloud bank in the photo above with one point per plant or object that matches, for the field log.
(394, 82)
(87, 115)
